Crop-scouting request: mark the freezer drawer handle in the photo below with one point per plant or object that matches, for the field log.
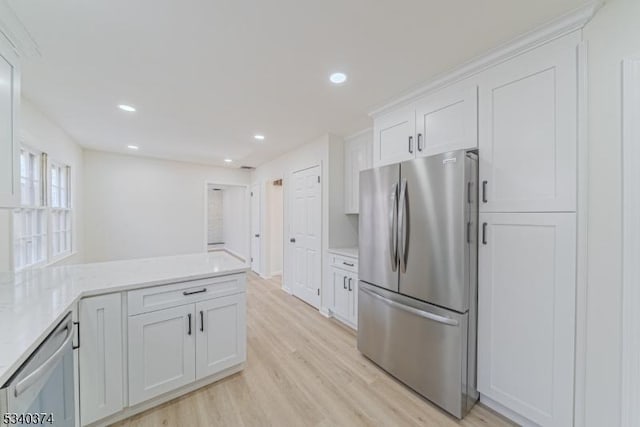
(421, 313)
(33, 377)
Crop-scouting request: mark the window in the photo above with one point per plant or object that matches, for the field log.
(60, 210)
(30, 220)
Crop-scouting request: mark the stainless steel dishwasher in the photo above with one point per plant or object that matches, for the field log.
(41, 391)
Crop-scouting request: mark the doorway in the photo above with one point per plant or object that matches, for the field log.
(274, 222)
(256, 221)
(306, 234)
(226, 220)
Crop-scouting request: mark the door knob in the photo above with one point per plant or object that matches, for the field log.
(292, 240)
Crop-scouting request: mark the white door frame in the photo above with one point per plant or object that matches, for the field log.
(207, 183)
(259, 263)
(630, 412)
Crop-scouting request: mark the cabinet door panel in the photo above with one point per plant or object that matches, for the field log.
(9, 110)
(447, 120)
(161, 352)
(100, 357)
(392, 134)
(340, 305)
(221, 334)
(528, 139)
(526, 314)
(353, 300)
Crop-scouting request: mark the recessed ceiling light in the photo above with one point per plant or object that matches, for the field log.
(258, 136)
(338, 78)
(128, 108)
(228, 160)
(132, 147)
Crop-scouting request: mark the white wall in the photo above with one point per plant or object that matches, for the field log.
(343, 230)
(612, 35)
(140, 207)
(235, 219)
(42, 134)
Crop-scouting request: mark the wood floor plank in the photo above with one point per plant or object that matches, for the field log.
(303, 370)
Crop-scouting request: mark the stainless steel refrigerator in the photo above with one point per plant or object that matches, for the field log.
(417, 300)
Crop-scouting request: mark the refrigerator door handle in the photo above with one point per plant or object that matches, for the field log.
(402, 227)
(393, 233)
(412, 310)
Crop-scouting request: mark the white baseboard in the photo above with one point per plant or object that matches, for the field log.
(287, 290)
(506, 412)
(325, 312)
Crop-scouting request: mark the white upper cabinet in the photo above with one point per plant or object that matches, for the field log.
(526, 313)
(442, 121)
(9, 108)
(393, 136)
(447, 120)
(357, 157)
(528, 136)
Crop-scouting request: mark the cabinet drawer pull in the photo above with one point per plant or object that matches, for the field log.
(344, 282)
(411, 144)
(189, 319)
(350, 279)
(201, 321)
(349, 264)
(419, 140)
(187, 293)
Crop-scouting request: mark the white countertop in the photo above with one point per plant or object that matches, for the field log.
(350, 252)
(33, 302)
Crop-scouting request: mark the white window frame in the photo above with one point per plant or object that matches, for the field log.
(59, 194)
(30, 220)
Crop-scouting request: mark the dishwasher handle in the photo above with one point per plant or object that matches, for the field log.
(34, 376)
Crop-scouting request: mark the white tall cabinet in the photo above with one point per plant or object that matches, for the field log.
(527, 253)
(9, 111)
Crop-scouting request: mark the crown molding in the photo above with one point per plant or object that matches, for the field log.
(359, 133)
(554, 29)
(12, 28)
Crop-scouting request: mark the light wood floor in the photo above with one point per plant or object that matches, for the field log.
(303, 370)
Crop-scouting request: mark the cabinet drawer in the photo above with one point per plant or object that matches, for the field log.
(343, 262)
(159, 297)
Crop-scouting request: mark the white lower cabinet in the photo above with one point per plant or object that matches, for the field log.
(344, 287)
(219, 348)
(100, 357)
(526, 314)
(161, 352)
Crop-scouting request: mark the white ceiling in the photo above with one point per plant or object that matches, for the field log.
(206, 75)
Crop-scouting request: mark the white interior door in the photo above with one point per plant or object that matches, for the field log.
(306, 235)
(255, 228)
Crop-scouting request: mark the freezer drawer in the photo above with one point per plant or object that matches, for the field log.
(422, 345)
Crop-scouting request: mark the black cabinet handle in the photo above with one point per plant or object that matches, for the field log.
(189, 317)
(419, 139)
(484, 233)
(257, 235)
(411, 144)
(344, 282)
(347, 263)
(292, 240)
(350, 279)
(187, 293)
(201, 321)
(484, 191)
